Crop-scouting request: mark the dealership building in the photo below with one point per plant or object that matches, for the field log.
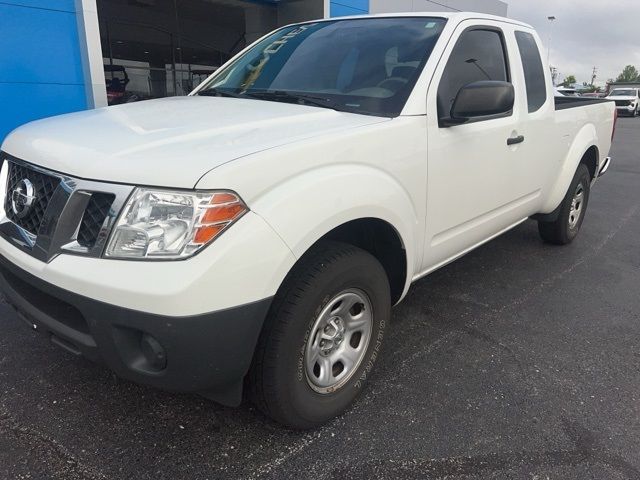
(59, 56)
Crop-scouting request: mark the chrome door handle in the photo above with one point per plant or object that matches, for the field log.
(515, 140)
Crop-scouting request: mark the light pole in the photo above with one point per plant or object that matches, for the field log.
(551, 19)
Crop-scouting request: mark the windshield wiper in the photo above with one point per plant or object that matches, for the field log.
(276, 96)
(215, 92)
(300, 98)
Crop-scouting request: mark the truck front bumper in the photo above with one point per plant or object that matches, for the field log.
(188, 326)
(626, 110)
(207, 354)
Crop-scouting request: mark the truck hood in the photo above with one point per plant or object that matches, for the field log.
(170, 142)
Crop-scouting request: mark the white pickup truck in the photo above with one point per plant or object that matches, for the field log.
(254, 235)
(627, 100)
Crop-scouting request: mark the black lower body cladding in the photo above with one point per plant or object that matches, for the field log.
(207, 354)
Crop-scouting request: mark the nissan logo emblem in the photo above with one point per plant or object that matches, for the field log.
(23, 198)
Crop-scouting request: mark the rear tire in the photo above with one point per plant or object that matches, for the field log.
(572, 211)
(322, 336)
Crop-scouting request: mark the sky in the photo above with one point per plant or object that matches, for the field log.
(586, 33)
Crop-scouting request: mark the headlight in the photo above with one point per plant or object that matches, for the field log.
(164, 225)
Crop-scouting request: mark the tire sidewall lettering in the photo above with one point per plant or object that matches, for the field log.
(300, 369)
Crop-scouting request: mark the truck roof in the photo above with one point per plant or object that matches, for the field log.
(455, 16)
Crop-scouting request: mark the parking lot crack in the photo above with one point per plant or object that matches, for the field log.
(585, 450)
(306, 441)
(57, 460)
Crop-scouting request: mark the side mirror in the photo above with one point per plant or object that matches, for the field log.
(481, 101)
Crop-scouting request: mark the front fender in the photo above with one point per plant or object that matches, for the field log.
(586, 138)
(306, 207)
(307, 189)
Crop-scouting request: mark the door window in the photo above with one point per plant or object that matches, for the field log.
(478, 55)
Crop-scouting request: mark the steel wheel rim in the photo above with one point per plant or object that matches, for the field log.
(338, 341)
(577, 204)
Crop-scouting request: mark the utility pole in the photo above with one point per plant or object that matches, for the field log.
(551, 20)
(594, 75)
(554, 75)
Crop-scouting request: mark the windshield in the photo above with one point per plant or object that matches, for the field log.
(366, 66)
(623, 93)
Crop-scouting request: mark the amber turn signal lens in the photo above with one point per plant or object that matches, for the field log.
(223, 213)
(223, 197)
(206, 234)
(223, 209)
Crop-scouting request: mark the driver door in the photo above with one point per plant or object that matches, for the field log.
(475, 187)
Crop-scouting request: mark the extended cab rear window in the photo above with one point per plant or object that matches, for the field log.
(533, 71)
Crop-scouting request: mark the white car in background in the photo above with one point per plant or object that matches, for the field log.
(566, 92)
(627, 100)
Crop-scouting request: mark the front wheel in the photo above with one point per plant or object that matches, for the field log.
(322, 336)
(572, 211)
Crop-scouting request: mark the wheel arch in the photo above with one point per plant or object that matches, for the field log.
(342, 203)
(590, 160)
(381, 240)
(584, 149)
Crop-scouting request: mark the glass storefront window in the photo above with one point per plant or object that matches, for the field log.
(159, 48)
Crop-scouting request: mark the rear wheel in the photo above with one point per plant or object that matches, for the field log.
(322, 336)
(572, 211)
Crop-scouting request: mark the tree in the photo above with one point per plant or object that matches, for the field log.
(569, 81)
(629, 74)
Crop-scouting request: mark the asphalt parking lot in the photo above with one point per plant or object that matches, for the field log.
(520, 360)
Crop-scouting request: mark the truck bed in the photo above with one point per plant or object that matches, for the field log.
(563, 103)
(576, 128)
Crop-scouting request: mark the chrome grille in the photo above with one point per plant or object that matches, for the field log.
(44, 187)
(93, 218)
(67, 214)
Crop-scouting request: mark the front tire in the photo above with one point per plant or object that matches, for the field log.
(322, 336)
(572, 211)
